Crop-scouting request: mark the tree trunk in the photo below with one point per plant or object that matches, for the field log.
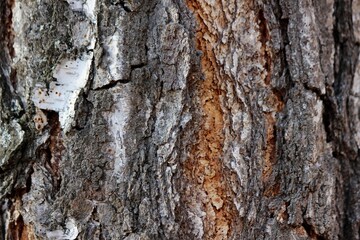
(170, 119)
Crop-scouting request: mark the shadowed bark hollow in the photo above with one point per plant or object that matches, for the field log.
(179, 119)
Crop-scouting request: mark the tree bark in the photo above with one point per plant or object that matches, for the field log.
(170, 119)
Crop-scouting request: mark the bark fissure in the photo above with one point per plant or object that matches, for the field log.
(274, 100)
(311, 232)
(264, 39)
(9, 34)
(56, 148)
(338, 130)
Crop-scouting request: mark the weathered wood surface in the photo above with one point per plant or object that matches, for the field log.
(169, 119)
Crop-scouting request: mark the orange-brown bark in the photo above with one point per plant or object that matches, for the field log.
(206, 157)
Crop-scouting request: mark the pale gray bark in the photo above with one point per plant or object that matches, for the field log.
(170, 119)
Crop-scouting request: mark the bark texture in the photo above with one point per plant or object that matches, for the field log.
(179, 119)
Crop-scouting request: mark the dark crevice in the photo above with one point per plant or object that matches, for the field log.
(5, 57)
(2, 221)
(121, 3)
(346, 54)
(264, 38)
(123, 81)
(315, 90)
(56, 148)
(337, 110)
(16, 228)
(50, 153)
(146, 50)
(13, 77)
(283, 26)
(140, 65)
(112, 84)
(28, 179)
(126, 8)
(328, 114)
(9, 31)
(283, 23)
(7, 36)
(84, 112)
(311, 232)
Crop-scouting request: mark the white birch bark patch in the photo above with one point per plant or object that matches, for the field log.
(62, 94)
(69, 233)
(86, 6)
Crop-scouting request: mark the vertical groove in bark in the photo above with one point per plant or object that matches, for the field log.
(56, 149)
(274, 100)
(340, 111)
(346, 55)
(9, 34)
(264, 38)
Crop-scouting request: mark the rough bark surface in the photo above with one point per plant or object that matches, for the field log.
(179, 119)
